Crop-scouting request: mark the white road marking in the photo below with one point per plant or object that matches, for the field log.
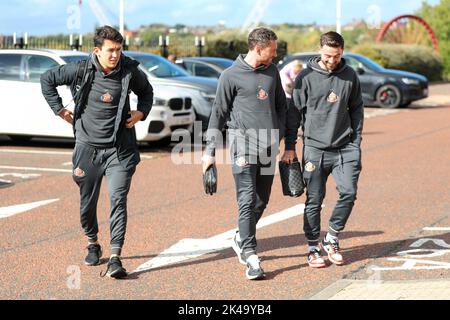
(192, 248)
(438, 242)
(36, 169)
(378, 113)
(59, 153)
(20, 175)
(410, 264)
(13, 210)
(436, 229)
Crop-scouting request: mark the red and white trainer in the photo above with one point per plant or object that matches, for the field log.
(333, 251)
(315, 259)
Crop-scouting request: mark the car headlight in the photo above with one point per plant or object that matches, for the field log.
(410, 81)
(159, 102)
(209, 97)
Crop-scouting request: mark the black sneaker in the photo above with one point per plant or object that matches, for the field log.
(237, 249)
(94, 255)
(254, 270)
(115, 269)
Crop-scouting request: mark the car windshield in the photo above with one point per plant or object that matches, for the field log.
(69, 59)
(368, 63)
(222, 63)
(160, 67)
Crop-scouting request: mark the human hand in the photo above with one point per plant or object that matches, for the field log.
(207, 161)
(66, 115)
(135, 117)
(289, 156)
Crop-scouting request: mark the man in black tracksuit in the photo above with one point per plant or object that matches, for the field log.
(327, 104)
(104, 133)
(251, 97)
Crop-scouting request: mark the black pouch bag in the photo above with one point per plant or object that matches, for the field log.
(291, 178)
(210, 180)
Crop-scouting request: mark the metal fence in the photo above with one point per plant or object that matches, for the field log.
(180, 47)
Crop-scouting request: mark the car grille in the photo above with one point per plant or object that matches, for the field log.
(187, 103)
(176, 104)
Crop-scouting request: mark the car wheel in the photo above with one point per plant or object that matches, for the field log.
(20, 139)
(389, 96)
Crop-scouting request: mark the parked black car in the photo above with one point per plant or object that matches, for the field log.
(210, 67)
(387, 88)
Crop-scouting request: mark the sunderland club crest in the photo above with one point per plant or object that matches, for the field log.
(262, 94)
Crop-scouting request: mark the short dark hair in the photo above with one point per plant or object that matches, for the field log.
(332, 39)
(261, 36)
(106, 33)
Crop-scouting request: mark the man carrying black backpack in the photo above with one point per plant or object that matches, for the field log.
(104, 133)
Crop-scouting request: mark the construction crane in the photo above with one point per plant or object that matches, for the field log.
(99, 12)
(256, 15)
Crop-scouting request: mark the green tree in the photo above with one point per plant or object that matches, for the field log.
(438, 16)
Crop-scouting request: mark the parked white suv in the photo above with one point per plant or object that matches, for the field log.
(24, 112)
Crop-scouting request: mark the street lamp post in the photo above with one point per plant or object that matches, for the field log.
(338, 16)
(122, 17)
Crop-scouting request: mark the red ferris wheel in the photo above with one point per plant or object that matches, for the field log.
(408, 29)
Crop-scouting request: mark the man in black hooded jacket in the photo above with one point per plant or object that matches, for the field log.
(104, 133)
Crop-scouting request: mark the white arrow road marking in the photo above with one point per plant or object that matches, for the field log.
(410, 264)
(438, 242)
(192, 248)
(10, 211)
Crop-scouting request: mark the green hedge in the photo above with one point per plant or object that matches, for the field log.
(413, 58)
(231, 49)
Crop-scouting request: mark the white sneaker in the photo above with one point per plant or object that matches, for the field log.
(254, 270)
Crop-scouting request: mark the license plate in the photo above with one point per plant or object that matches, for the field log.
(425, 92)
(183, 120)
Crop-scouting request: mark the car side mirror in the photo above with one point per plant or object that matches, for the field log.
(360, 70)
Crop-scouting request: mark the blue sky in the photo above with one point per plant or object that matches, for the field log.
(39, 17)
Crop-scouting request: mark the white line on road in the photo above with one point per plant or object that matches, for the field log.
(57, 153)
(20, 175)
(411, 264)
(192, 248)
(60, 153)
(36, 169)
(378, 112)
(13, 210)
(436, 229)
